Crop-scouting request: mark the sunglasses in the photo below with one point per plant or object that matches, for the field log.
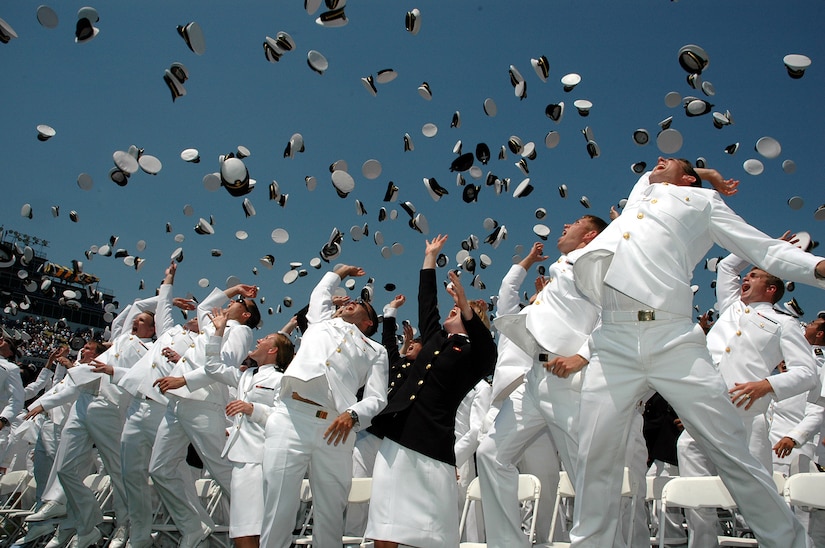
(241, 300)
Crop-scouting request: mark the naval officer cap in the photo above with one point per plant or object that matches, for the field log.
(412, 21)
(796, 64)
(193, 36)
(693, 59)
(542, 67)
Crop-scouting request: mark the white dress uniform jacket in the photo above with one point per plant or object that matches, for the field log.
(336, 359)
(748, 342)
(245, 442)
(633, 255)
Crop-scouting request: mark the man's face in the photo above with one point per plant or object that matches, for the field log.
(755, 287)
(354, 312)
(88, 352)
(573, 235)
(5, 348)
(815, 330)
(238, 309)
(143, 325)
(669, 170)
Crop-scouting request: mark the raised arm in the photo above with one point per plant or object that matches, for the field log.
(388, 338)
(321, 306)
(163, 311)
(726, 187)
(429, 320)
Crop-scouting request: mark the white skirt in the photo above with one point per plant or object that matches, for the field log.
(246, 514)
(414, 499)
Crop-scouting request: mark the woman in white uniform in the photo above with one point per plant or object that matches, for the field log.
(258, 387)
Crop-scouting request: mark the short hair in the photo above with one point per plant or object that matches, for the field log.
(286, 351)
(687, 166)
(373, 318)
(597, 223)
(99, 347)
(778, 284)
(254, 314)
(15, 352)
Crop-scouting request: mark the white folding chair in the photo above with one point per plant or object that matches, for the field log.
(360, 492)
(806, 489)
(529, 488)
(14, 486)
(566, 490)
(702, 492)
(653, 497)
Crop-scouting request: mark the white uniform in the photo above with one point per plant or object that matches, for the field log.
(245, 443)
(469, 420)
(57, 403)
(144, 415)
(11, 400)
(334, 360)
(97, 419)
(559, 320)
(48, 436)
(639, 269)
(196, 414)
(746, 343)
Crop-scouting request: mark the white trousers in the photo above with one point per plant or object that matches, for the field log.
(528, 418)
(203, 425)
(45, 450)
(93, 420)
(668, 356)
(294, 442)
(139, 432)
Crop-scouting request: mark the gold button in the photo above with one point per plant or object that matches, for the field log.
(420, 382)
(727, 349)
(154, 365)
(192, 345)
(626, 235)
(738, 333)
(761, 325)
(666, 184)
(436, 353)
(338, 349)
(429, 365)
(537, 301)
(117, 355)
(327, 363)
(640, 216)
(654, 200)
(237, 427)
(412, 397)
(398, 376)
(747, 311)
(392, 384)
(687, 198)
(130, 338)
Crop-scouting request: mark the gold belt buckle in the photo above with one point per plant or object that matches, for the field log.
(646, 315)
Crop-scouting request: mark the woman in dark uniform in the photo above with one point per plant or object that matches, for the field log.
(414, 495)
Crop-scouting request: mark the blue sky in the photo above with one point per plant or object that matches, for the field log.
(107, 94)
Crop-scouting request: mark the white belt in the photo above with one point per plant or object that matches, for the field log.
(615, 316)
